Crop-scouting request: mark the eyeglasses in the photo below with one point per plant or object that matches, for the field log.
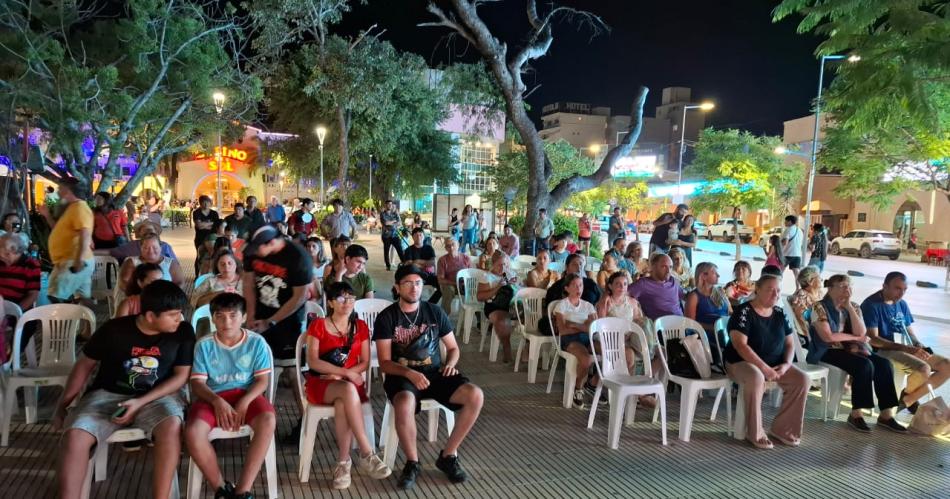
(344, 299)
(416, 284)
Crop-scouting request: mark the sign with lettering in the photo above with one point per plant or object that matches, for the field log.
(225, 154)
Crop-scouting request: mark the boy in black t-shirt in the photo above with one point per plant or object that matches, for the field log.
(408, 335)
(276, 276)
(143, 361)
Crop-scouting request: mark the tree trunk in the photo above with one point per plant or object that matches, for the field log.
(736, 213)
(343, 121)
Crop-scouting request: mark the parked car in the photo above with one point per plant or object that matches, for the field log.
(764, 238)
(725, 229)
(867, 243)
(700, 229)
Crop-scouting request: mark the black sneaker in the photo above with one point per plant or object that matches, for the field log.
(410, 472)
(451, 467)
(579, 399)
(893, 425)
(225, 491)
(293, 438)
(858, 424)
(912, 408)
(246, 495)
(589, 388)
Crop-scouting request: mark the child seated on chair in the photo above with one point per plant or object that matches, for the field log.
(143, 362)
(143, 275)
(229, 382)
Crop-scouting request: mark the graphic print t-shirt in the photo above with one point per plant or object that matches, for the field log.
(132, 362)
(414, 338)
(276, 275)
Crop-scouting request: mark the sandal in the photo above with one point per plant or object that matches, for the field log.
(762, 443)
(791, 442)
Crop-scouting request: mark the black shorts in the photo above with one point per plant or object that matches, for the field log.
(440, 388)
(583, 239)
(793, 262)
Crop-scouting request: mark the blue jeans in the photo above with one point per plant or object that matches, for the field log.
(468, 239)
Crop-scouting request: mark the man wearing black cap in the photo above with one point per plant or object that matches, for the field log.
(276, 276)
(408, 334)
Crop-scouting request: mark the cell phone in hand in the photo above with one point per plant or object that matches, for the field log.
(120, 412)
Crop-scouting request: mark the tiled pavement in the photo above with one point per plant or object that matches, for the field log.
(526, 445)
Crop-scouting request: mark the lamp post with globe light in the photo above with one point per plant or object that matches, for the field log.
(218, 98)
(321, 134)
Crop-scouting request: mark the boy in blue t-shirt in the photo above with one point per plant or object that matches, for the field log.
(231, 374)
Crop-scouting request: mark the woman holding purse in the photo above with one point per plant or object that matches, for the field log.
(338, 356)
(497, 294)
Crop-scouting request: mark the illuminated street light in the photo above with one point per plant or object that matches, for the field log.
(321, 134)
(218, 99)
(594, 149)
(705, 106)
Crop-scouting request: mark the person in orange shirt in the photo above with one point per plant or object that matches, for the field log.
(70, 247)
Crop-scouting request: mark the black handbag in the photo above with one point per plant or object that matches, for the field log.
(679, 360)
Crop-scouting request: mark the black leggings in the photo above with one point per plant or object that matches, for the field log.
(391, 242)
(872, 372)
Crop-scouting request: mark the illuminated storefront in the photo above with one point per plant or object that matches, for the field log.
(241, 174)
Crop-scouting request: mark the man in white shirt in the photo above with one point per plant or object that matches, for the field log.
(792, 238)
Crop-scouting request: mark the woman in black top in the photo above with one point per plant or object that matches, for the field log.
(760, 351)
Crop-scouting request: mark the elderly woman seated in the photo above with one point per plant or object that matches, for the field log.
(497, 294)
(19, 274)
(760, 351)
(151, 248)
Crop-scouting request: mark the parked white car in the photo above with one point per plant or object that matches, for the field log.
(725, 229)
(764, 238)
(867, 243)
(700, 229)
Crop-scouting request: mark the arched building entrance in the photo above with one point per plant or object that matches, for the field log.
(908, 216)
(231, 186)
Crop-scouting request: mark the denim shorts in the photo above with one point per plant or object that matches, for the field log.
(64, 284)
(93, 413)
(582, 338)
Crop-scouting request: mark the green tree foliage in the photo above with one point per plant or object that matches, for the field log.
(512, 169)
(137, 84)
(891, 126)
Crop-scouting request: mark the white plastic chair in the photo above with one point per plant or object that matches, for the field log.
(592, 265)
(623, 388)
(570, 362)
(11, 309)
(468, 280)
(312, 311)
(201, 279)
(675, 327)
(105, 280)
(203, 312)
(388, 438)
(60, 324)
(525, 259)
(815, 372)
(195, 477)
(367, 309)
(99, 461)
(558, 267)
(313, 414)
(531, 302)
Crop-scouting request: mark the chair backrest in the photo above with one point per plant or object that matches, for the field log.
(60, 324)
(558, 267)
(612, 333)
(531, 309)
(593, 265)
(551, 307)
(105, 273)
(312, 310)
(368, 308)
(202, 312)
(298, 369)
(11, 309)
(674, 326)
(468, 280)
(524, 260)
(202, 278)
(800, 353)
(271, 384)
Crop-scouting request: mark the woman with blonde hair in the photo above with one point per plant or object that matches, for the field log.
(805, 297)
(541, 276)
(680, 269)
(708, 303)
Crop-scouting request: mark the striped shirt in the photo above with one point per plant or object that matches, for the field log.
(19, 279)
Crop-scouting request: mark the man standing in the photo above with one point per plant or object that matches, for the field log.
(391, 223)
(255, 214)
(70, 247)
(276, 276)
(408, 336)
(423, 256)
(818, 245)
(275, 212)
(543, 228)
(509, 242)
(143, 362)
(792, 238)
(339, 223)
(239, 222)
(302, 222)
(615, 228)
(203, 218)
(886, 316)
(665, 227)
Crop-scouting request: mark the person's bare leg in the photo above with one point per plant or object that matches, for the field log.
(202, 452)
(471, 398)
(404, 409)
(502, 326)
(344, 393)
(263, 425)
(167, 438)
(583, 362)
(342, 431)
(935, 378)
(74, 461)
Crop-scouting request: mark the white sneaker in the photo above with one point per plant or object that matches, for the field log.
(579, 398)
(341, 475)
(374, 467)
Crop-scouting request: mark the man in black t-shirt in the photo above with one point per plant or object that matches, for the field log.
(408, 337)
(204, 217)
(665, 227)
(276, 276)
(255, 214)
(143, 361)
(239, 222)
(423, 256)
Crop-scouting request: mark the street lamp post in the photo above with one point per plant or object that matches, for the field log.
(370, 179)
(321, 134)
(705, 106)
(814, 140)
(218, 156)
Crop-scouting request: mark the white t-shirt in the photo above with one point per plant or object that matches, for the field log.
(578, 314)
(793, 235)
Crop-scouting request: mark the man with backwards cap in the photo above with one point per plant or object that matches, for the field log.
(276, 276)
(408, 335)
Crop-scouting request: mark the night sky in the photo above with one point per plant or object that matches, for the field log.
(729, 51)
